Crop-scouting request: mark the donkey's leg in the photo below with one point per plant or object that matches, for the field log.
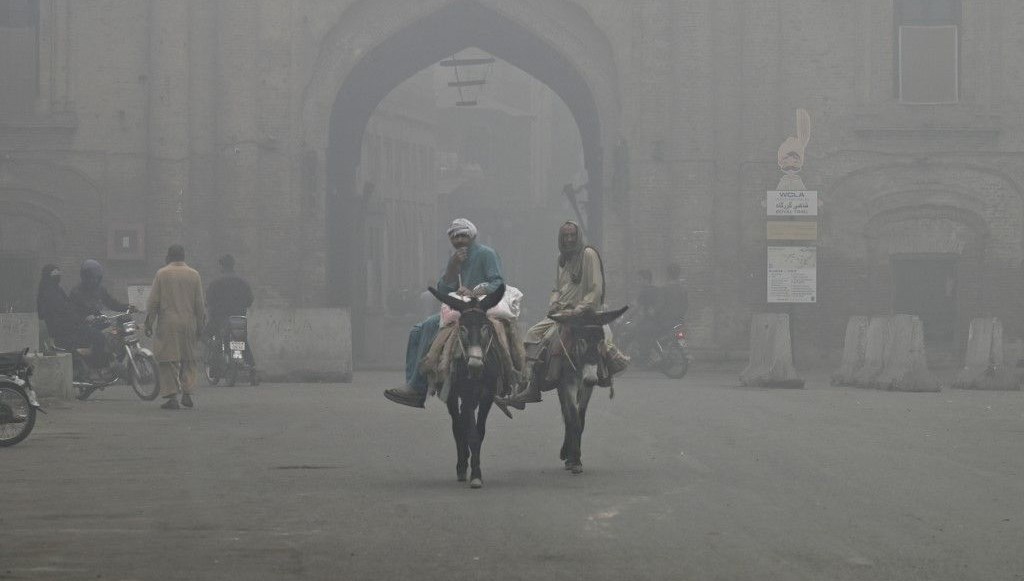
(570, 416)
(484, 411)
(469, 408)
(461, 449)
(585, 391)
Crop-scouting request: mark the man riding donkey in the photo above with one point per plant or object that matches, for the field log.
(474, 270)
(579, 288)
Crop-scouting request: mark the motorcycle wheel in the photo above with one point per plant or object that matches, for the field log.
(17, 416)
(144, 377)
(232, 376)
(676, 363)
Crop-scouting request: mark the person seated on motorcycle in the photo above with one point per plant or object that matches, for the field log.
(579, 287)
(89, 298)
(648, 325)
(229, 295)
(62, 321)
(471, 265)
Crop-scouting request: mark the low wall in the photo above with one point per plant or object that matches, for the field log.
(298, 345)
(19, 330)
(52, 375)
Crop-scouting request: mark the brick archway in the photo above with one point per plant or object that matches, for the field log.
(553, 40)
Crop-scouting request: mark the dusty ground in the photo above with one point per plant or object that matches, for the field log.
(697, 479)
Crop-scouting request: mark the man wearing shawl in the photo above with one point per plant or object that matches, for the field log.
(579, 287)
(472, 269)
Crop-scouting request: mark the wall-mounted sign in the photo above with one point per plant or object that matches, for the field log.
(792, 274)
(797, 203)
(126, 242)
(792, 230)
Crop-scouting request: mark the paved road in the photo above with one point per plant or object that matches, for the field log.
(692, 480)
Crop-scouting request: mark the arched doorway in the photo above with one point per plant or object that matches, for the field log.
(555, 42)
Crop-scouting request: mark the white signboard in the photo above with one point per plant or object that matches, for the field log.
(792, 203)
(138, 295)
(792, 274)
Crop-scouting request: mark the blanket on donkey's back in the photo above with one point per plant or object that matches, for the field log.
(438, 366)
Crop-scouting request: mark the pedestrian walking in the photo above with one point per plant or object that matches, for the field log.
(176, 311)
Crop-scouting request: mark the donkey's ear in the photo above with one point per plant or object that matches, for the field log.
(455, 304)
(608, 316)
(491, 300)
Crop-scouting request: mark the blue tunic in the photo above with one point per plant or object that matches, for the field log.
(482, 266)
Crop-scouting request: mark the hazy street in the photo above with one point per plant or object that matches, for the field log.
(691, 480)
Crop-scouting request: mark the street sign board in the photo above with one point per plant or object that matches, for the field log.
(792, 274)
(792, 230)
(795, 203)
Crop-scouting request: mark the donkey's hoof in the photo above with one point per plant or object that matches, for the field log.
(577, 468)
(476, 483)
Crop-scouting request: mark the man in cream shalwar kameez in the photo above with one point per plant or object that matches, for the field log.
(177, 308)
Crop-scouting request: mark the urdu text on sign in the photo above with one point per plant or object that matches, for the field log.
(795, 203)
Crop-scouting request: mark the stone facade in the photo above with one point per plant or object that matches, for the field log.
(230, 125)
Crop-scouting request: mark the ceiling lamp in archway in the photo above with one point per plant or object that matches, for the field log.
(464, 81)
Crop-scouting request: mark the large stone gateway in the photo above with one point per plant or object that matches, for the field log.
(235, 126)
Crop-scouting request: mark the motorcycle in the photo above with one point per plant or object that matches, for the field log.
(129, 360)
(668, 353)
(18, 403)
(225, 354)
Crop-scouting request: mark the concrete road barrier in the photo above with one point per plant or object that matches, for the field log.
(298, 345)
(771, 353)
(854, 351)
(984, 366)
(906, 366)
(877, 337)
(52, 375)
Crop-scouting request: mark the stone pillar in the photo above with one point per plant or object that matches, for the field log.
(654, 140)
(168, 139)
(238, 187)
(201, 215)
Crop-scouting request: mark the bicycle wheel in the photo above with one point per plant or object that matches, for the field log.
(17, 416)
(143, 376)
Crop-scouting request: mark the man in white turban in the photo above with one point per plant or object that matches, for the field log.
(471, 266)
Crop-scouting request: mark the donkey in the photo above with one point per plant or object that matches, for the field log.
(473, 380)
(575, 355)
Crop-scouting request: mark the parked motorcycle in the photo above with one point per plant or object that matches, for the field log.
(668, 353)
(18, 403)
(129, 360)
(225, 354)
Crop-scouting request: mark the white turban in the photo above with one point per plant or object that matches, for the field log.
(462, 226)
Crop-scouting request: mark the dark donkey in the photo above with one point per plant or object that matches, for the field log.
(576, 350)
(474, 378)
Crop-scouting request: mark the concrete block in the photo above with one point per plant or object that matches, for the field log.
(302, 344)
(771, 353)
(854, 351)
(18, 331)
(52, 375)
(906, 366)
(876, 341)
(984, 363)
